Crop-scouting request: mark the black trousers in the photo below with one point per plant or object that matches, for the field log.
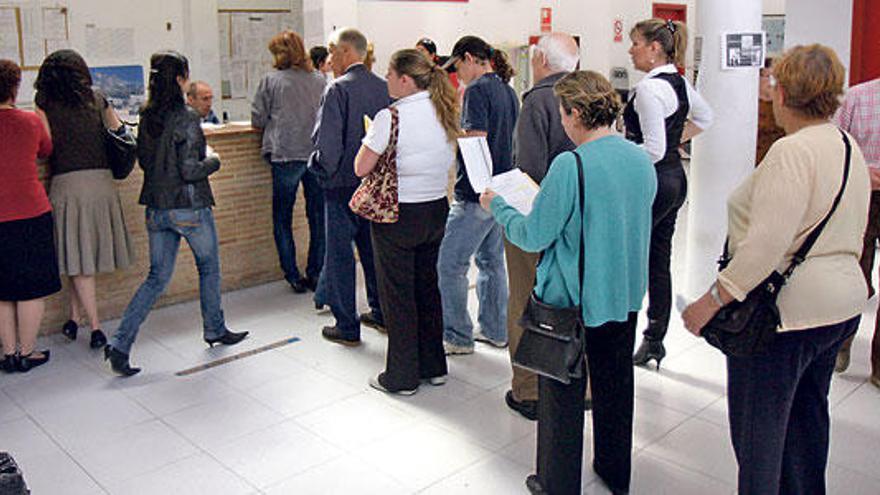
(561, 414)
(778, 411)
(405, 254)
(671, 193)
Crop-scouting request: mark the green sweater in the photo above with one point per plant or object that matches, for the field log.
(619, 188)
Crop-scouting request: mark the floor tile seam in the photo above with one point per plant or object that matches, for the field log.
(688, 413)
(872, 476)
(667, 433)
(848, 395)
(64, 450)
(471, 440)
(264, 489)
(684, 466)
(413, 421)
(199, 451)
(175, 411)
(299, 414)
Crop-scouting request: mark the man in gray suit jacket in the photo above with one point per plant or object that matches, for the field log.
(539, 137)
(356, 93)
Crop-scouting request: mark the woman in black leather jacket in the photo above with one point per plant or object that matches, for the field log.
(176, 163)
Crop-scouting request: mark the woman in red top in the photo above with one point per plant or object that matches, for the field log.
(28, 264)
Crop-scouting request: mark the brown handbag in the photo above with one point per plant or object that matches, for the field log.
(376, 198)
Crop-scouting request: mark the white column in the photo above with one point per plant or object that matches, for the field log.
(724, 155)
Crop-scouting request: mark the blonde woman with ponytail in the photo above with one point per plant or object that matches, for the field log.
(663, 112)
(405, 253)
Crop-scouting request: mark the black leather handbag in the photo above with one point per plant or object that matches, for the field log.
(747, 327)
(552, 344)
(120, 145)
(121, 148)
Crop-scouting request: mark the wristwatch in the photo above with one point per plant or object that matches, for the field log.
(716, 296)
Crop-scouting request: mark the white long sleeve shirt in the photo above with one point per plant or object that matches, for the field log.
(655, 101)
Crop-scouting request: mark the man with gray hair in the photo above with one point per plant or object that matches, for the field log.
(356, 93)
(539, 137)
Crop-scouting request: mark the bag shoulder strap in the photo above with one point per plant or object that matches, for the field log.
(395, 128)
(580, 171)
(801, 253)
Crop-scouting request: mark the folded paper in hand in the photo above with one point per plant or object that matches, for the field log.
(517, 188)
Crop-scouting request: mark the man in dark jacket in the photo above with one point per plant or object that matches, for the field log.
(539, 137)
(337, 138)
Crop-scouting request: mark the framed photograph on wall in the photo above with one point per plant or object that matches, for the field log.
(742, 50)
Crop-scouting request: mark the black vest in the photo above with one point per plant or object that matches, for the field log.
(674, 123)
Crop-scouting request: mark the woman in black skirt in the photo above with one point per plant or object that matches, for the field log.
(28, 266)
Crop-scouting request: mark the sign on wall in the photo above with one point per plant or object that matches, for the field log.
(742, 50)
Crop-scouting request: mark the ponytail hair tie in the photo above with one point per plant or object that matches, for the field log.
(491, 52)
(670, 26)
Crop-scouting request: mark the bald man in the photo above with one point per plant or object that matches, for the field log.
(200, 97)
(539, 137)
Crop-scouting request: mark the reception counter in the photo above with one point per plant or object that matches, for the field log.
(243, 193)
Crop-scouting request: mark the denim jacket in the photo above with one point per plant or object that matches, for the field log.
(175, 167)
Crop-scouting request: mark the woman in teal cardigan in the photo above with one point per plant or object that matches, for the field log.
(619, 188)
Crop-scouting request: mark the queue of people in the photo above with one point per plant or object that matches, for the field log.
(598, 236)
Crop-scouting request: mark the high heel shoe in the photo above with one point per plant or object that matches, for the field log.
(98, 339)
(9, 363)
(648, 350)
(27, 363)
(228, 338)
(119, 362)
(69, 329)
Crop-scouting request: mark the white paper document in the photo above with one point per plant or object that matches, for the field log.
(477, 161)
(517, 188)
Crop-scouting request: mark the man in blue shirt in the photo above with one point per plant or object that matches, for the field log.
(200, 97)
(490, 109)
(337, 139)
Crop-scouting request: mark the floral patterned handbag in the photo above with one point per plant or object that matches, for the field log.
(376, 198)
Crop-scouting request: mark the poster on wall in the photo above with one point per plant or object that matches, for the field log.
(742, 50)
(123, 85)
(774, 26)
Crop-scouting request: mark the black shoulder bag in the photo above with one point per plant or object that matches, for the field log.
(120, 145)
(552, 344)
(745, 328)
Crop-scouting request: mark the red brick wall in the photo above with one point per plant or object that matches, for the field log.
(243, 192)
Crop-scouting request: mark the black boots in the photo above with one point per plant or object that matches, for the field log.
(228, 338)
(648, 350)
(119, 362)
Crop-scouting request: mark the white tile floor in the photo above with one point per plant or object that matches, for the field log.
(301, 419)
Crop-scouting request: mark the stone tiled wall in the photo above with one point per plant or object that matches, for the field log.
(243, 192)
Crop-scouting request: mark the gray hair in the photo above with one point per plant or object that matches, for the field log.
(560, 52)
(351, 37)
(193, 89)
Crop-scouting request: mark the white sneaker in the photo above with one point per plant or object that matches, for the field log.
(457, 350)
(437, 380)
(376, 384)
(479, 337)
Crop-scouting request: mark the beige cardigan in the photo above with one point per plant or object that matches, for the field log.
(773, 211)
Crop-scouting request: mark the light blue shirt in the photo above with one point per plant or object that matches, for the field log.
(619, 188)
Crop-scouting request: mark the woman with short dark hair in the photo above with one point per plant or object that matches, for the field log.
(90, 227)
(778, 400)
(614, 225)
(28, 263)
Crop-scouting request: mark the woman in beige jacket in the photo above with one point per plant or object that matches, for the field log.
(778, 401)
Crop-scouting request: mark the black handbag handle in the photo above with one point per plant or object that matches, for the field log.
(580, 167)
(801, 253)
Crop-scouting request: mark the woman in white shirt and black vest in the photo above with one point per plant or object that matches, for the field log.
(405, 252)
(657, 118)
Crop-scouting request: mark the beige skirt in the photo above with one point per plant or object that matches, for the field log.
(90, 231)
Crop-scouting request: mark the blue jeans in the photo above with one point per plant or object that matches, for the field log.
(471, 231)
(286, 177)
(165, 228)
(337, 287)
